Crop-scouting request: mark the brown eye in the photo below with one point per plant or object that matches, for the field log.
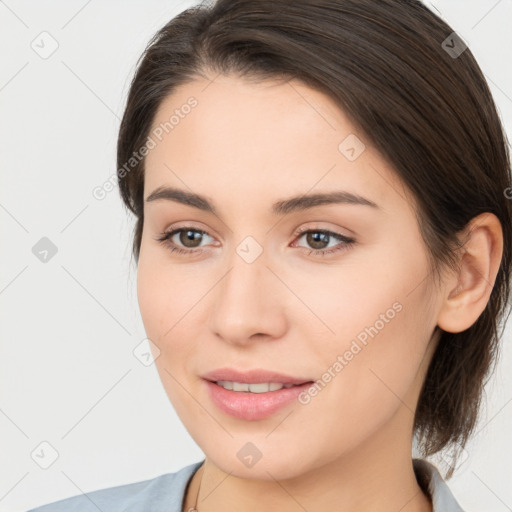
(189, 237)
(187, 241)
(318, 241)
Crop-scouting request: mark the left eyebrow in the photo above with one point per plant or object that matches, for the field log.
(281, 207)
(304, 202)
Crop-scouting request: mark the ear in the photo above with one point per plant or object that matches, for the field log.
(468, 290)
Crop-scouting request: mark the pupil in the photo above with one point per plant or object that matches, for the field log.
(313, 239)
(189, 236)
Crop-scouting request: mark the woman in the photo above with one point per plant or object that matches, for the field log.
(323, 245)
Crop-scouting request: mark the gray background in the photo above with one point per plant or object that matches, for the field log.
(68, 375)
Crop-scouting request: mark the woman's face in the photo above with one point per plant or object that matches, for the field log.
(251, 292)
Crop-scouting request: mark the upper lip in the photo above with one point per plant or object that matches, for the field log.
(254, 376)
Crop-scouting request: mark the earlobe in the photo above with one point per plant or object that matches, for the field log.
(467, 292)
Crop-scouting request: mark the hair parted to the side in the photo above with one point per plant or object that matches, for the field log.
(430, 115)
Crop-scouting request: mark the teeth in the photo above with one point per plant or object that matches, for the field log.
(263, 387)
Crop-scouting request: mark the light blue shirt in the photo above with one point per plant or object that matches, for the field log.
(165, 493)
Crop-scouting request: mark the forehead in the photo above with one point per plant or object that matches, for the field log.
(259, 138)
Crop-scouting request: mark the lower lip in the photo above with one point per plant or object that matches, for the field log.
(253, 406)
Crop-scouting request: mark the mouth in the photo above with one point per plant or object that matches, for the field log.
(240, 379)
(260, 387)
(253, 401)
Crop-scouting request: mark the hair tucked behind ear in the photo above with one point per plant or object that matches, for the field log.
(430, 113)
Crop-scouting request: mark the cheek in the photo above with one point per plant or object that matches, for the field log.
(371, 339)
(366, 378)
(379, 286)
(173, 302)
(164, 300)
(151, 299)
(166, 294)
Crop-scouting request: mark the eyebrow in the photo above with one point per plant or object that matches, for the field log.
(281, 207)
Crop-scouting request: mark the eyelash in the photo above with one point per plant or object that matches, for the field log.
(347, 241)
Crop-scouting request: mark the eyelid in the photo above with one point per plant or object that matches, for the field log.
(319, 226)
(184, 225)
(173, 230)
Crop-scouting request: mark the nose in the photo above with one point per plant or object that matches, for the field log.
(248, 303)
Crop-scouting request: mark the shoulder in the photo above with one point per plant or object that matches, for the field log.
(162, 493)
(431, 481)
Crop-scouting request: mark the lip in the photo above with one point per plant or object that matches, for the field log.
(253, 406)
(254, 376)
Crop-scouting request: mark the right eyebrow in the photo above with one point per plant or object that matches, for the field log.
(281, 207)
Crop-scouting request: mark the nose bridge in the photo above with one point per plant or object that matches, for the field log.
(246, 301)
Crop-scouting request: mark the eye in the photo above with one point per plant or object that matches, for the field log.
(320, 239)
(188, 236)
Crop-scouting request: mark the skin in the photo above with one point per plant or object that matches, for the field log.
(245, 146)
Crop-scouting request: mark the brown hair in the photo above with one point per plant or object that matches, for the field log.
(429, 111)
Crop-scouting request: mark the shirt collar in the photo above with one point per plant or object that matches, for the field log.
(432, 483)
